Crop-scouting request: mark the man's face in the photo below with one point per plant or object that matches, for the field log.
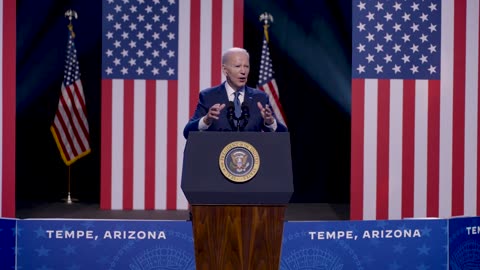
(236, 69)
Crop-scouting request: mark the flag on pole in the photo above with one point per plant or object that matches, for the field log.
(415, 114)
(156, 57)
(266, 80)
(7, 107)
(70, 125)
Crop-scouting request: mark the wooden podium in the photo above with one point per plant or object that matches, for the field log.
(237, 216)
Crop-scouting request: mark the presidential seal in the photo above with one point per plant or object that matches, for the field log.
(239, 161)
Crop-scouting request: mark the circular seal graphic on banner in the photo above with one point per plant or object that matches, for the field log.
(239, 161)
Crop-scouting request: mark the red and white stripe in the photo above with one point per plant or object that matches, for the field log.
(7, 107)
(70, 125)
(415, 143)
(143, 120)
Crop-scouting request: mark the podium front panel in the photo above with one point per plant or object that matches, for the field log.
(204, 182)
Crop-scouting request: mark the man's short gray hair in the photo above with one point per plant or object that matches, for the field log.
(233, 50)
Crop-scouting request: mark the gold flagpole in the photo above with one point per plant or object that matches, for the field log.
(267, 19)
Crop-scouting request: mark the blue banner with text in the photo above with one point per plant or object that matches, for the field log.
(358, 245)
(464, 243)
(148, 244)
(105, 244)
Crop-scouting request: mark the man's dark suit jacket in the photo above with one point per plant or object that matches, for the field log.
(218, 94)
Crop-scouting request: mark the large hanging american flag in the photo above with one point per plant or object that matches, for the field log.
(415, 70)
(7, 107)
(157, 55)
(70, 125)
(266, 80)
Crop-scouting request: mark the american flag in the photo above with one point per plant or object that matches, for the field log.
(157, 56)
(7, 107)
(415, 69)
(70, 125)
(266, 80)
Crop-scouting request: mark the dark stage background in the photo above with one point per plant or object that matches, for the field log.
(310, 44)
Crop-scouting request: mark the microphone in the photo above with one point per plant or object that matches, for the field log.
(231, 114)
(245, 114)
(245, 110)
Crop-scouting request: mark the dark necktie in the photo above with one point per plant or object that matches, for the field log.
(236, 103)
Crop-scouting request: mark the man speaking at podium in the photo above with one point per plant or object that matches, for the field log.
(232, 105)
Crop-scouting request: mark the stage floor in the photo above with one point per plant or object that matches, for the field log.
(79, 210)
